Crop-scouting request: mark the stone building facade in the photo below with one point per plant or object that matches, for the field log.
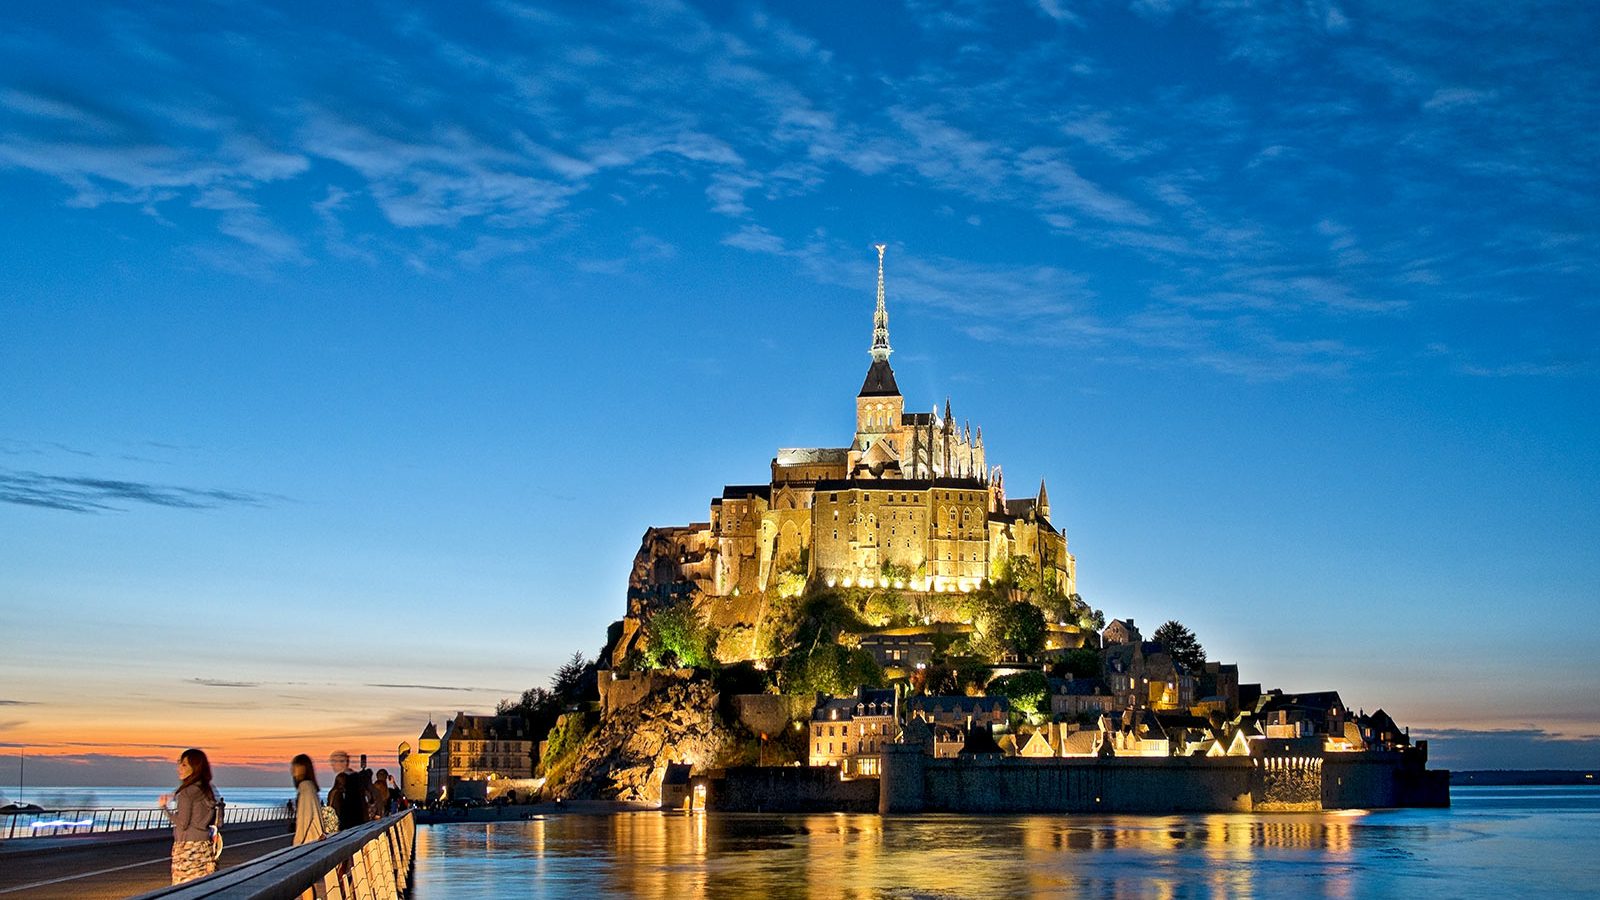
(481, 749)
(850, 732)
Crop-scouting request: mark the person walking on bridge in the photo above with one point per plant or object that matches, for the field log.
(193, 855)
(307, 801)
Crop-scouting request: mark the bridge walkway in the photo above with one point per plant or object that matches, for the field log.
(114, 866)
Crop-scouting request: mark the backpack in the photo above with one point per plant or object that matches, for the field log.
(330, 819)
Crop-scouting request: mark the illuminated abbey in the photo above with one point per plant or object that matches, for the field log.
(910, 504)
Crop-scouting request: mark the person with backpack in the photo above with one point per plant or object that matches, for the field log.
(349, 797)
(196, 839)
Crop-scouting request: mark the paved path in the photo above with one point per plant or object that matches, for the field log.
(106, 870)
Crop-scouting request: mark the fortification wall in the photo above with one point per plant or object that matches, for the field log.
(1383, 779)
(913, 782)
(620, 690)
(790, 789)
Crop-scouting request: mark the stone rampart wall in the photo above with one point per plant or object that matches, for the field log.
(1382, 779)
(622, 690)
(790, 789)
(1015, 784)
(914, 782)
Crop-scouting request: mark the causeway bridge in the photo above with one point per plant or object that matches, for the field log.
(110, 863)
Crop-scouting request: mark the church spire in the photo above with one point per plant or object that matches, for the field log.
(880, 318)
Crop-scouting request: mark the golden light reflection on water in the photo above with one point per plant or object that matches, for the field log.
(692, 856)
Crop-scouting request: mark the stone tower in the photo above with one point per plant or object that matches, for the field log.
(414, 764)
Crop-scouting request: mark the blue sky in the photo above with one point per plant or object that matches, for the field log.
(348, 352)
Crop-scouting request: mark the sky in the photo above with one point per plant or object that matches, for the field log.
(347, 350)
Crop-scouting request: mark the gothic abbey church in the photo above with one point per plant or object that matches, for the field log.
(910, 504)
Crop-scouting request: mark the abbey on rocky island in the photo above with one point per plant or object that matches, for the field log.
(910, 504)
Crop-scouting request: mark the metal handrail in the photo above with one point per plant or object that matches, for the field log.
(371, 862)
(58, 822)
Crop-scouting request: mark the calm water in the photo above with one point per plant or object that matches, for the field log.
(1495, 842)
(140, 797)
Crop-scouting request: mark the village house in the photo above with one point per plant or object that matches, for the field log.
(963, 712)
(899, 651)
(1080, 699)
(1136, 733)
(1143, 675)
(849, 732)
(1303, 715)
(1120, 631)
(477, 751)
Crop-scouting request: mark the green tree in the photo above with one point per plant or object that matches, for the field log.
(829, 669)
(565, 737)
(567, 681)
(1021, 625)
(1083, 662)
(972, 677)
(887, 606)
(676, 636)
(937, 680)
(1182, 644)
(538, 707)
(1029, 692)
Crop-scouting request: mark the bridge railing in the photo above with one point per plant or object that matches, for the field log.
(57, 822)
(368, 861)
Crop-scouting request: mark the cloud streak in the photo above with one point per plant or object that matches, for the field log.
(84, 494)
(1530, 747)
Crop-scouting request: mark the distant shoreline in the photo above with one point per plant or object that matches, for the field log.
(1514, 777)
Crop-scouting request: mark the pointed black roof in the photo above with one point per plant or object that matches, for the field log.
(880, 381)
(980, 741)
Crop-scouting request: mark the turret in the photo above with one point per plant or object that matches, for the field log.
(1043, 503)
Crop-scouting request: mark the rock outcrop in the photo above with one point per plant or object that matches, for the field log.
(625, 756)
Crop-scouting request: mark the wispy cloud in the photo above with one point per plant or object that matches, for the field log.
(435, 687)
(440, 147)
(85, 494)
(218, 682)
(1530, 747)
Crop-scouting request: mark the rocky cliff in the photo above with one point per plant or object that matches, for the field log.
(626, 754)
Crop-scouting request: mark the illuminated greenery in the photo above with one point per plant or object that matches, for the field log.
(565, 738)
(886, 606)
(829, 669)
(1021, 626)
(1029, 692)
(675, 636)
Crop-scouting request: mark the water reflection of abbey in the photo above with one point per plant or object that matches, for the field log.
(842, 855)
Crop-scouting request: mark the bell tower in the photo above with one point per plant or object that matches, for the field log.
(879, 406)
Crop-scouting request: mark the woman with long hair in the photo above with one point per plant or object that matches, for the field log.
(192, 853)
(307, 801)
